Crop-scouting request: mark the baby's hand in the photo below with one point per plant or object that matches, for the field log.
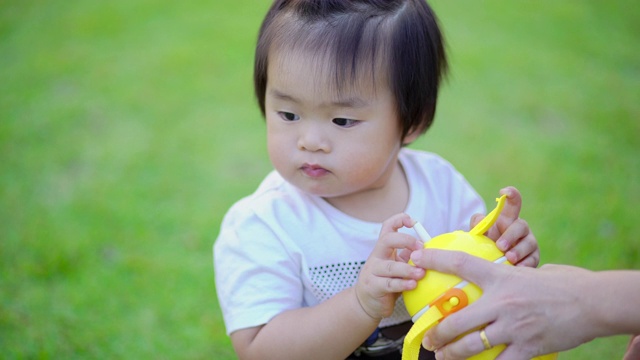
(386, 273)
(511, 233)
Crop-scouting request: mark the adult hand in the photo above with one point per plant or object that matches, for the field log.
(532, 311)
(633, 350)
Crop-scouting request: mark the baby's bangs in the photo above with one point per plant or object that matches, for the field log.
(345, 52)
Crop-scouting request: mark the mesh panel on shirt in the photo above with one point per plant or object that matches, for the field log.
(328, 280)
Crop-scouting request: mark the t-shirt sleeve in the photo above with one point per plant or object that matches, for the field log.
(257, 276)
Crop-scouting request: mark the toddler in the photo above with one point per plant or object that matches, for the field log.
(312, 264)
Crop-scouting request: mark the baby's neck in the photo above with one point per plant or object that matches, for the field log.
(377, 204)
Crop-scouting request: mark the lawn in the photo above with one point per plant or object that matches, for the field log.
(128, 128)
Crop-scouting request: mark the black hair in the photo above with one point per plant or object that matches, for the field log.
(401, 38)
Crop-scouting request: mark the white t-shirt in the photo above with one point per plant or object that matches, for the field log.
(281, 249)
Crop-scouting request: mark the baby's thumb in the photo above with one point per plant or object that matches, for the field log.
(475, 219)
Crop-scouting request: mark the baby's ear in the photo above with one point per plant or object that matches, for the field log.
(411, 136)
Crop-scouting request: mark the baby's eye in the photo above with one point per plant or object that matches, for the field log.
(343, 122)
(288, 116)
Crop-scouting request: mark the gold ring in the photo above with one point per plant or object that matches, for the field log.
(485, 341)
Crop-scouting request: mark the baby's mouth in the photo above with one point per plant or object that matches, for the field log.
(314, 171)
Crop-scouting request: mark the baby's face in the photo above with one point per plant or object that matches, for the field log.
(329, 143)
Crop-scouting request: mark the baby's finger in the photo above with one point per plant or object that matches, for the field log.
(475, 219)
(531, 261)
(397, 269)
(510, 213)
(514, 234)
(525, 249)
(390, 239)
(511, 210)
(396, 246)
(519, 243)
(396, 222)
(384, 285)
(404, 255)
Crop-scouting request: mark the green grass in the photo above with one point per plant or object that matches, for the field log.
(128, 128)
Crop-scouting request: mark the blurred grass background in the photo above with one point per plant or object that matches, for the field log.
(127, 129)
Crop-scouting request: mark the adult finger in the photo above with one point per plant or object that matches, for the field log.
(469, 345)
(461, 322)
(514, 353)
(633, 349)
(469, 267)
